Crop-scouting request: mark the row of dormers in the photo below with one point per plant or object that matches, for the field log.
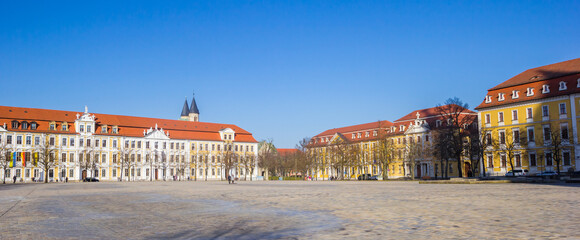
(64, 126)
(562, 86)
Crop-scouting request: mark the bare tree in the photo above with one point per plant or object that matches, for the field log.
(4, 160)
(46, 155)
(478, 143)
(454, 111)
(511, 144)
(124, 160)
(557, 142)
(267, 155)
(384, 152)
(228, 159)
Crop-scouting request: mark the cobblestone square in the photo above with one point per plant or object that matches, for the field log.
(288, 210)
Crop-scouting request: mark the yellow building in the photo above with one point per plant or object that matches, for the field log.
(530, 121)
(399, 149)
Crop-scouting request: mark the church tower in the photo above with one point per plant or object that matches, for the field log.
(184, 111)
(193, 111)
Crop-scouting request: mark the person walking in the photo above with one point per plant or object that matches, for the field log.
(229, 179)
(14, 178)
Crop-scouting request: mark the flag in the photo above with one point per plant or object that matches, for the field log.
(35, 159)
(23, 155)
(14, 156)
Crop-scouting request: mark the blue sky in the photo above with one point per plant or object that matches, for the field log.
(282, 70)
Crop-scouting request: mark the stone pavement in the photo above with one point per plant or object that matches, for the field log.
(288, 210)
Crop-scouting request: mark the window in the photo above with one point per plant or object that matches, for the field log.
(33, 126)
(64, 141)
(545, 111)
(63, 157)
(114, 143)
(104, 158)
(562, 108)
(533, 160)
(103, 173)
(51, 141)
(71, 157)
(487, 120)
(24, 125)
(89, 128)
(545, 88)
(88, 142)
(52, 126)
(138, 144)
(64, 126)
(36, 140)
(518, 160)
(562, 86)
(502, 137)
(547, 132)
(366, 134)
(516, 135)
(115, 129)
(426, 138)
(500, 97)
(530, 92)
(375, 133)
(500, 117)
(15, 124)
(72, 142)
(133, 144)
(503, 160)
(81, 142)
(529, 113)
(564, 132)
(515, 94)
(9, 139)
(531, 134)
(490, 161)
(81, 128)
(487, 99)
(487, 138)
(566, 158)
(28, 140)
(97, 143)
(104, 129)
(19, 140)
(114, 158)
(514, 115)
(114, 172)
(171, 146)
(548, 159)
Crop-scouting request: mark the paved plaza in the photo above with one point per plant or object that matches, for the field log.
(288, 210)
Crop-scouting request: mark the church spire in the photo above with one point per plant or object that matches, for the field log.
(185, 110)
(193, 108)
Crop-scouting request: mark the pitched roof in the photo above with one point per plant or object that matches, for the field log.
(542, 73)
(423, 113)
(286, 151)
(127, 125)
(356, 128)
(185, 110)
(193, 108)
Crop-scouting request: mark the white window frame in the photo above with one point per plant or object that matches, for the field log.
(500, 96)
(545, 88)
(530, 92)
(562, 86)
(515, 94)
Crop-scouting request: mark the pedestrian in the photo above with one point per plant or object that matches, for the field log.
(66, 179)
(229, 179)
(14, 178)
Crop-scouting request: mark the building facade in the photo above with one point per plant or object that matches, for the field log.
(403, 148)
(531, 120)
(77, 145)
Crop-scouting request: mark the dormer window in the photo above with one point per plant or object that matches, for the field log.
(358, 135)
(487, 99)
(515, 94)
(402, 128)
(15, 124)
(500, 96)
(33, 126)
(578, 83)
(545, 88)
(562, 86)
(353, 136)
(104, 129)
(64, 126)
(24, 125)
(115, 130)
(375, 133)
(438, 123)
(366, 134)
(52, 126)
(530, 92)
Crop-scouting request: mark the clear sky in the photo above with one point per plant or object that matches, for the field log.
(283, 70)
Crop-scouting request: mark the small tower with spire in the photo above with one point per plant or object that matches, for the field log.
(184, 111)
(193, 111)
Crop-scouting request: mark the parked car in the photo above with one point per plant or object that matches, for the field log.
(374, 177)
(517, 172)
(364, 177)
(90, 179)
(548, 173)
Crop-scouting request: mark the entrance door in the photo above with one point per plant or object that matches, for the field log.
(418, 170)
(84, 174)
(156, 174)
(467, 171)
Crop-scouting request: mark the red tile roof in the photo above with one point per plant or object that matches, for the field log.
(554, 84)
(356, 128)
(542, 73)
(127, 125)
(286, 151)
(424, 113)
